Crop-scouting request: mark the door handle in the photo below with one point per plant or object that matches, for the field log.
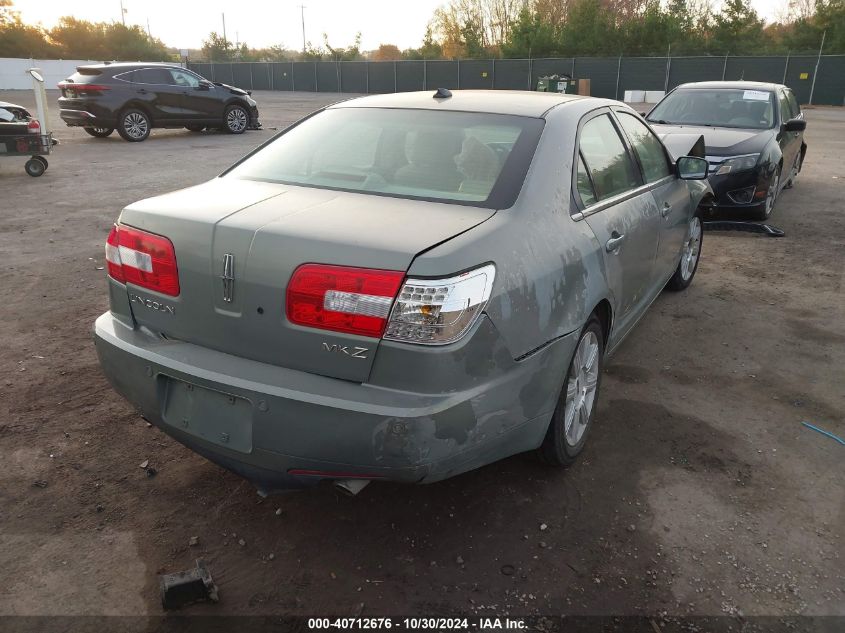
(614, 242)
(141, 91)
(666, 209)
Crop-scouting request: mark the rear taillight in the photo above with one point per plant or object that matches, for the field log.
(143, 259)
(440, 311)
(341, 298)
(82, 88)
(33, 127)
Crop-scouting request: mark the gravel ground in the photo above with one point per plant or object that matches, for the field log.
(700, 493)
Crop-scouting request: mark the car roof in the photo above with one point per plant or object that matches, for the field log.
(515, 102)
(737, 85)
(126, 65)
(6, 104)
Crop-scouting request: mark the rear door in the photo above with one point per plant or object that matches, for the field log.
(670, 193)
(621, 212)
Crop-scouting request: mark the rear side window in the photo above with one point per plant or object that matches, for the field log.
(606, 158)
(159, 76)
(649, 150)
(585, 185)
(458, 157)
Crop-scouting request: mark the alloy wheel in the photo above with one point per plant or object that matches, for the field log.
(236, 119)
(772, 192)
(135, 125)
(581, 388)
(692, 249)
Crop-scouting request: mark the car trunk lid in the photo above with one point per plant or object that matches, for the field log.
(257, 234)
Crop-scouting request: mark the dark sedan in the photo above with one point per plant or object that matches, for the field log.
(753, 133)
(136, 97)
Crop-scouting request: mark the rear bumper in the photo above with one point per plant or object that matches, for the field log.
(83, 118)
(272, 425)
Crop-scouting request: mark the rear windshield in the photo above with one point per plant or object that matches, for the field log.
(749, 109)
(457, 157)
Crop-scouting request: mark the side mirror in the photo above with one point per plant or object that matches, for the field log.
(692, 168)
(795, 125)
(204, 85)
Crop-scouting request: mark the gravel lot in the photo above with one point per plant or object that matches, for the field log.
(700, 493)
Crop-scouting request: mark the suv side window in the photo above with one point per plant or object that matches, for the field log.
(158, 76)
(647, 147)
(606, 159)
(793, 102)
(181, 78)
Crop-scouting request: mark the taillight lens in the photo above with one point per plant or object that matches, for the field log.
(33, 127)
(82, 88)
(144, 259)
(342, 298)
(440, 311)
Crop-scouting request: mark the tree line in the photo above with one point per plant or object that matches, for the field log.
(462, 29)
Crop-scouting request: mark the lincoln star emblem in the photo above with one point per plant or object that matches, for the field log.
(228, 277)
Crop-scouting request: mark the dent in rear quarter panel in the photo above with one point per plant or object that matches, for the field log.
(549, 268)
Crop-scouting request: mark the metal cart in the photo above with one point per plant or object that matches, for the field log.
(30, 138)
(35, 145)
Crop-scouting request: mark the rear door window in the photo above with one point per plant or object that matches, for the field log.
(608, 162)
(648, 148)
(155, 76)
(585, 185)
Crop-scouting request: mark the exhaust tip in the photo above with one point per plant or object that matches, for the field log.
(351, 487)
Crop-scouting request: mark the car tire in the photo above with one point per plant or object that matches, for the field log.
(690, 255)
(771, 197)
(236, 119)
(577, 403)
(195, 128)
(99, 132)
(35, 167)
(134, 125)
(793, 174)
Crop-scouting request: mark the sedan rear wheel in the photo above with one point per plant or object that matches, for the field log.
(134, 125)
(576, 407)
(236, 119)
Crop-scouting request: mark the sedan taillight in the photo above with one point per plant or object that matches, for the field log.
(342, 298)
(143, 259)
(377, 303)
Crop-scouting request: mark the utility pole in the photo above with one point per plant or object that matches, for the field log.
(302, 13)
(816, 71)
(149, 34)
(122, 13)
(225, 41)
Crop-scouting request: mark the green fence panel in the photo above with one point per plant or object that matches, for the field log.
(241, 76)
(551, 66)
(281, 75)
(328, 77)
(512, 74)
(223, 73)
(476, 74)
(305, 76)
(601, 71)
(410, 76)
(768, 69)
(260, 75)
(688, 69)
(830, 82)
(382, 77)
(204, 70)
(640, 73)
(353, 77)
(442, 74)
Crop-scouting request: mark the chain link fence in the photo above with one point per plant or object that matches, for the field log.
(609, 77)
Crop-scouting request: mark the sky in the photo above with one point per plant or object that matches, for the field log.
(262, 23)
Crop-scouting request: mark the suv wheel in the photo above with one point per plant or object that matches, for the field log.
(99, 132)
(236, 119)
(134, 125)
